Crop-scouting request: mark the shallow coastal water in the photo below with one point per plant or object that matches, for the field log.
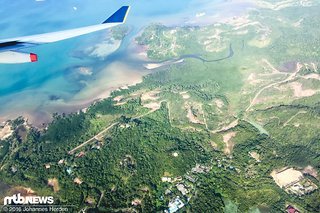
(64, 80)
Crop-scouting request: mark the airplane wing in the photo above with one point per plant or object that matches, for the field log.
(9, 47)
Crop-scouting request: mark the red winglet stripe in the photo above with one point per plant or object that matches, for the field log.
(33, 57)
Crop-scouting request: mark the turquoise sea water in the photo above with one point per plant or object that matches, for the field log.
(49, 85)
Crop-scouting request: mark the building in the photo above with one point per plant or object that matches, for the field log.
(287, 177)
(166, 179)
(293, 181)
(90, 201)
(14, 169)
(77, 181)
(302, 188)
(291, 209)
(190, 178)
(200, 169)
(69, 171)
(175, 205)
(182, 188)
(80, 154)
(136, 202)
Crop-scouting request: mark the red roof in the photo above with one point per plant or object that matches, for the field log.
(291, 209)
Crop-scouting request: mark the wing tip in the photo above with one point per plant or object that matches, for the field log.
(119, 16)
(33, 57)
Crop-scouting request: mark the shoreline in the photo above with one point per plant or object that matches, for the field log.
(96, 90)
(115, 76)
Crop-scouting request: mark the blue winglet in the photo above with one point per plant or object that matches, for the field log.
(119, 16)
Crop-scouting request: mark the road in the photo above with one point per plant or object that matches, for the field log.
(290, 78)
(102, 133)
(96, 137)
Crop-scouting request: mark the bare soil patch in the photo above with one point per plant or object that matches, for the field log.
(185, 95)
(118, 98)
(53, 182)
(153, 105)
(219, 103)
(255, 156)
(194, 111)
(312, 76)
(310, 171)
(300, 92)
(5, 132)
(150, 96)
(229, 144)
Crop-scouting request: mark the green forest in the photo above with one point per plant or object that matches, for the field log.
(207, 134)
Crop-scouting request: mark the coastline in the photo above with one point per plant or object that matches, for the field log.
(115, 76)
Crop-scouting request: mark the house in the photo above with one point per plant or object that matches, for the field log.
(69, 171)
(80, 154)
(293, 181)
(167, 192)
(96, 147)
(182, 188)
(175, 205)
(179, 178)
(190, 178)
(14, 169)
(166, 179)
(291, 209)
(136, 202)
(200, 169)
(77, 181)
(90, 201)
(175, 154)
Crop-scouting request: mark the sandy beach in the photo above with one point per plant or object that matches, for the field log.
(115, 76)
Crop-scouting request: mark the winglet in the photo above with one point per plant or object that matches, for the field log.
(119, 16)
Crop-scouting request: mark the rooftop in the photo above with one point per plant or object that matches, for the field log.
(287, 177)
